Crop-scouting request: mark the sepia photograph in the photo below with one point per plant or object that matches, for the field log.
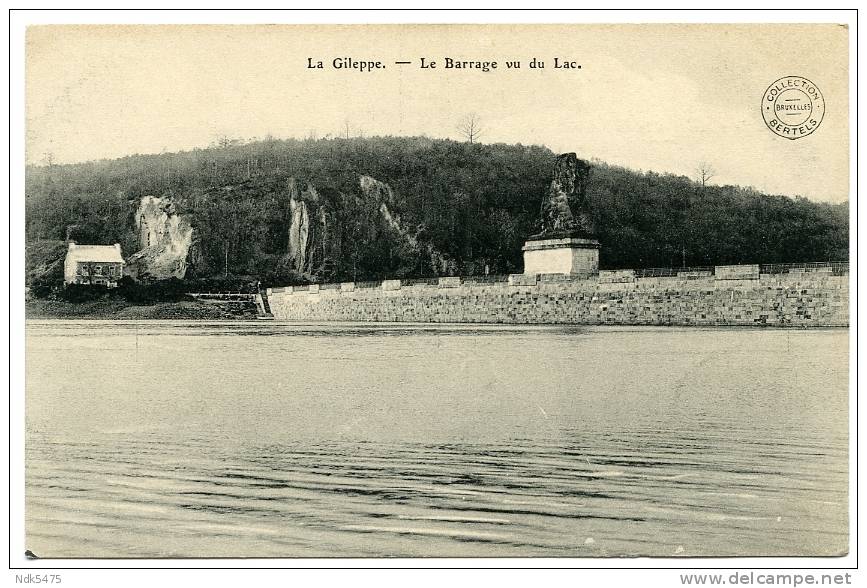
(538, 290)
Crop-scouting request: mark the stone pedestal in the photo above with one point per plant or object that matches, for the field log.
(569, 255)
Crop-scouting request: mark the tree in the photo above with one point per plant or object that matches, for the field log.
(471, 127)
(705, 172)
(225, 141)
(473, 204)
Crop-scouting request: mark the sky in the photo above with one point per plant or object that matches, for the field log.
(649, 97)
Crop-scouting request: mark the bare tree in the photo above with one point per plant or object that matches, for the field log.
(471, 127)
(705, 172)
(224, 141)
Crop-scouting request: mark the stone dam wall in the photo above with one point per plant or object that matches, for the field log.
(730, 295)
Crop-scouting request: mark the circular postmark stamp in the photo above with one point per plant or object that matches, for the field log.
(793, 107)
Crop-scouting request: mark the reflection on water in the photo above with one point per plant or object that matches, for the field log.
(168, 439)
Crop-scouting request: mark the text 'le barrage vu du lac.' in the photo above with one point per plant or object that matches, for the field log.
(445, 63)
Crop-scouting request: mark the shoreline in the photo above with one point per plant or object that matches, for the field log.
(122, 310)
(185, 312)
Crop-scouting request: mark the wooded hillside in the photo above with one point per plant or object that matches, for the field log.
(474, 204)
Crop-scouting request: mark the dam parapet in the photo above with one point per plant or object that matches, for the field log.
(782, 295)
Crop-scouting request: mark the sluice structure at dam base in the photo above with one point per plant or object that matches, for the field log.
(800, 295)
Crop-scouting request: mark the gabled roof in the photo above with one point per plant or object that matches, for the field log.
(95, 253)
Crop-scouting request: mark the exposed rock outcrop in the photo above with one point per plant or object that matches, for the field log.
(380, 193)
(313, 242)
(165, 238)
(304, 211)
(377, 191)
(299, 228)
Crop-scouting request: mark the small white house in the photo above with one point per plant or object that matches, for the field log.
(93, 264)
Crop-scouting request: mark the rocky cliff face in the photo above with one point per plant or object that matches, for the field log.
(311, 237)
(164, 237)
(376, 191)
(299, 228)
(307, 221)
(380, 194)
(321, 230)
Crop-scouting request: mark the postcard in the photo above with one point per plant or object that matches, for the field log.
(436, 291)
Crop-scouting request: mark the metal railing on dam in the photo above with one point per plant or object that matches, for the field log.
(837, 268)
(742, 271)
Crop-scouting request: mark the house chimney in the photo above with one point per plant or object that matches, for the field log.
(117, 246)
(71, 245)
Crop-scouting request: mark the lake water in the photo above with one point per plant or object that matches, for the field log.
(189, 439)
